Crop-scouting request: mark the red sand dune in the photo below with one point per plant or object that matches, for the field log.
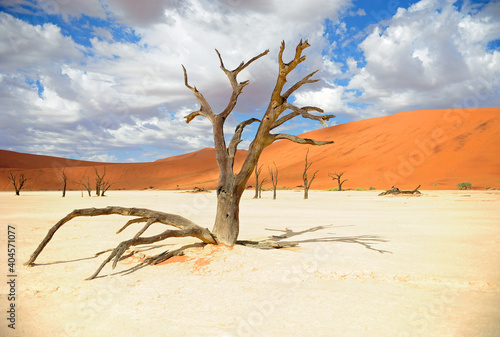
(433, 148)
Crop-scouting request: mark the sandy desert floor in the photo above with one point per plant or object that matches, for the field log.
(365, 266)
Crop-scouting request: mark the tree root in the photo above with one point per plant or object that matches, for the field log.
(185, 228)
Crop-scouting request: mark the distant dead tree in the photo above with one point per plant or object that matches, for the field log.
(104, 187)
(98, 181)
(257, 185)
(18, 182)
(101, 185)
(274, 178)
(338, 177)
(260, 186)
(231, 184)
(307, 183)
(64, 179)
(396, 191)
(86, 184)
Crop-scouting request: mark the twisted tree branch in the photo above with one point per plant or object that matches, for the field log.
(304, 113)
(304, 141)
(185, 228)
(299, 84)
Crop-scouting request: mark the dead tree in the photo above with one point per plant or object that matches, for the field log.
(260, 186)
(231, 184)
(98, 181)
(338, 177)
(86, 183)
(104, 187)
(274, 178)
(64, 179)
(396, 191)
(17, 182)
(257, 186)
(307, 183)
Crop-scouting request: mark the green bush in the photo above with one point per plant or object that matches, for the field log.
(464, 186)
(360, 189)
(333, 189)
(372, 188)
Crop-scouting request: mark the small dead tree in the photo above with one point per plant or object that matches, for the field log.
(274, 178)
(257, 186)
(17, 182)
(260, 186)
(98, 181)
(104, 187)
(338, 177)
(307, 183)
(64, 179)
(86, 184)
(231, 184)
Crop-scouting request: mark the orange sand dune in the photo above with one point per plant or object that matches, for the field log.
(433, 148)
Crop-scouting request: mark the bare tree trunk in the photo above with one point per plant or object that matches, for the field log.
(17, 182)
(227, 221)
(86, 183)
(64, 178)
(261, 186)
(257, 186)
(307, 182)
(274, 179)
(98, 183)
(105, 186)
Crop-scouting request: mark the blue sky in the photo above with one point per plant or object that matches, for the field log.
(102, 79)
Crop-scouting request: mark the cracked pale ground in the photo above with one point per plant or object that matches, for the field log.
(365, 266)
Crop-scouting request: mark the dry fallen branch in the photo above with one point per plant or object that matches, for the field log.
(185, 228)
(396, 191)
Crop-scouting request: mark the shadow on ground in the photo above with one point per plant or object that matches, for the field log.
(280, 241)
(272, 242)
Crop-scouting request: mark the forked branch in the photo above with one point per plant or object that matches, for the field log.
(300, 83)
(237, 86)
(205, 109)
(304, 112)
(185, 228)
(237, 136)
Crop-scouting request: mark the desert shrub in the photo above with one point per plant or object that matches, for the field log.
(372, 188)
(360, 189)
(464, 186)
(333, 189)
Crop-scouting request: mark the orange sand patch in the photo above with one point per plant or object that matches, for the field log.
(199, 257)
(174, 259)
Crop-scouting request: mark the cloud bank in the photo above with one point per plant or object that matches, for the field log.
(103, 79)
